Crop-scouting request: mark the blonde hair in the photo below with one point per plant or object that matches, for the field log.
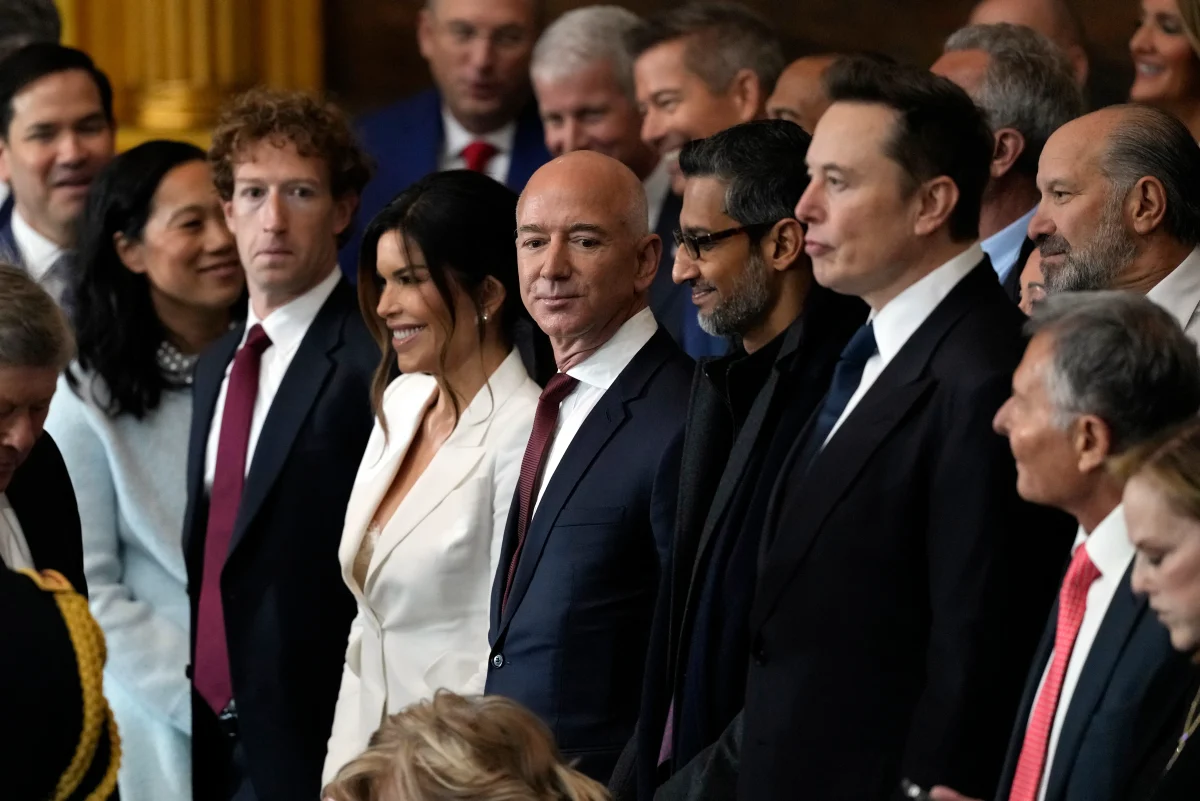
(1189, 12)
(462, 749)
(1172, 462)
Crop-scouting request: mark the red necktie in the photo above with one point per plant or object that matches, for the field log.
(478, 154)
(211, 671)
(545, 419)
(1072, 603)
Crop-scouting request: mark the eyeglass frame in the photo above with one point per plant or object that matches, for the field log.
(694, 243)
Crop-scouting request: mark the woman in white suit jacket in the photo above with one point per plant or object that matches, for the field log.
(425, 521)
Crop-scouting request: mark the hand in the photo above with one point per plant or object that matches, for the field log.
(946, 794)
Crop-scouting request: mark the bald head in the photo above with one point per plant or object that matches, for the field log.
(799, 94)
(584, 251)
(1054, 19)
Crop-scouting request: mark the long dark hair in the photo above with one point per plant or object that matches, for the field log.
(115, 322)
(463, 222)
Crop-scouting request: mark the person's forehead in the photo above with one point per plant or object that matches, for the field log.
(664, 62)
(1073, 151)
(852, 133)
(593, 80)
(703, 199)
(22, 385)
(56, 91)
(486, 12)
(279, 161)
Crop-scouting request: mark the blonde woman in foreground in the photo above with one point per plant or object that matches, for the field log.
(462, 749)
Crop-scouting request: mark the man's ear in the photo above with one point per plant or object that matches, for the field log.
(1009, 145)
(784, 245)
(5, 166)
(1147, 204)
(936, 201)
(649, 253)
(425, 32)
(343, 211)
(747, 94)
(1093, 443)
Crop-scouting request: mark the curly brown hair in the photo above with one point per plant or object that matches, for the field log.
(317, 128)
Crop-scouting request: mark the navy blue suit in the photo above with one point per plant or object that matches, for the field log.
(571, 641)
(405, 139)
(1126, 711)
(9, 252)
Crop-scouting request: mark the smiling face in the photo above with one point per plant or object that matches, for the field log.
(186, 250)
(57, 142)
(286, 222)
(1166, 68)
(1167, 567)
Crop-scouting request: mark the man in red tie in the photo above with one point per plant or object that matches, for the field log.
(1103, 372)
(592, 521)
(281, 417)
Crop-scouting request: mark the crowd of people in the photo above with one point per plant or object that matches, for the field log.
(633, 415)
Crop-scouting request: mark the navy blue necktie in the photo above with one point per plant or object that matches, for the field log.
(847, 375)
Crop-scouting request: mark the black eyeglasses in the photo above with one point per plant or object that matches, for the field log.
(694, 243)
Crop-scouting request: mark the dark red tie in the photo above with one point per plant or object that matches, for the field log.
(545, 420)
(478, 154)
(211, 671)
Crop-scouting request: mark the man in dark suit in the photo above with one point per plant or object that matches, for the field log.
(743, 260)
(1103, 702)
(479, 115)
(1025, 86)
(590, 527)
(903, 581)
(56, 133)
(39, 519)
(582, 74)
(281, 417)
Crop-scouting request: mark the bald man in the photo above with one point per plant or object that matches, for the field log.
(591, 526)
(799, 96)
(1054, 19)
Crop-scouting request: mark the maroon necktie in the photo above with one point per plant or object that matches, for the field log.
(544, 422)
(478, 154)
(211, 671)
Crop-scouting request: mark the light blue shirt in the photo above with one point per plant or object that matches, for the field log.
(1004, 246)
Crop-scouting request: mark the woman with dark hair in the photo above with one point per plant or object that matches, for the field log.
(157, 280)
(437, 283)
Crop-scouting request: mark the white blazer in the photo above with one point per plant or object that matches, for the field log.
(423, 612)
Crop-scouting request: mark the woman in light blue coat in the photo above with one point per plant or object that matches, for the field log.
(157, 280)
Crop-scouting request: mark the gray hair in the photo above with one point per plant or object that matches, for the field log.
(723, 38)
(24, 22)
(33, 330)
(587, 36)
(1120, 357)
(1150, 142)
(1029, 84)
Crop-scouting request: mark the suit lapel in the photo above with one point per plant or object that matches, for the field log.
(297, 393)
(1120, 620)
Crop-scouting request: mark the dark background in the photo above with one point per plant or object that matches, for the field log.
(372, 57)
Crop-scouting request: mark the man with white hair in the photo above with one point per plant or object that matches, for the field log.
(582, 74)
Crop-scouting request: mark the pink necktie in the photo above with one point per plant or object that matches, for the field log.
(1072, 603)
(545, 420)
(211, 671)
(478, 154)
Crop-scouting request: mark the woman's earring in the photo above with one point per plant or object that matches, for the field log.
(485, 317)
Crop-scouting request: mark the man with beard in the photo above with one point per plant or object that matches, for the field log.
(1119, 210)
(742, 253)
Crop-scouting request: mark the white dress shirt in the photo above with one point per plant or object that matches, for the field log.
(39, 255)
(596, 374)
(657, 185)
(1004, 246)
(896, 322)
(1179, 294)
(14, 550)
(1111, 552)
(455, 138)
(286, 327)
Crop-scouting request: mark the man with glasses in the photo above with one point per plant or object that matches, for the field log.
(741, 252)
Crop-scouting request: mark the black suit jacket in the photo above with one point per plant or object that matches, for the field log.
(43, 498)
(287, 611)
(571, 642)
(1125, 714)
(1012, 281)
(1181, 781)
(714, 464)
(905, 582)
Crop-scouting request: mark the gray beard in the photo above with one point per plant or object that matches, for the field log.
(1096, 266)
(745, 306)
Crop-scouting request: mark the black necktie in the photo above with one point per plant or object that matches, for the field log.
(847, 375)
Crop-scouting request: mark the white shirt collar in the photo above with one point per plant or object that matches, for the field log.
(457, 137)
(288, 324)
(899, 319)
(1004, 246)
(1179, 292)
(38, 252)
(610, 359)
(1108, 545)
(657, 185)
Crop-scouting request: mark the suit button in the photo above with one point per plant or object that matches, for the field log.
(757, 652)
(498, 661)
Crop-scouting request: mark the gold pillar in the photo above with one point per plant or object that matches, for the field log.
(172, 62)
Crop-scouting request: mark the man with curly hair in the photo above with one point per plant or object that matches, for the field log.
(281, 418)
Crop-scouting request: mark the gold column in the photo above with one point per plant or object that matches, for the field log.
(172, 62)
